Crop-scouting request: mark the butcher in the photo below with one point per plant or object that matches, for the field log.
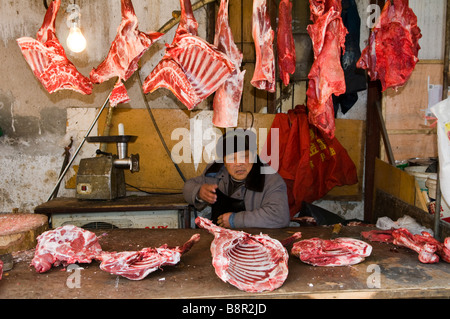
(242, 191)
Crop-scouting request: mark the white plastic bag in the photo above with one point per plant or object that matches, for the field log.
(442, 112)
(414, 227)
(385, 223)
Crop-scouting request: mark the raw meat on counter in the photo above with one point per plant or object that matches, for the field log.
(126, 50)
(263, 35)
(191, 69)
(227, 98)
(326, 76)
(253, 263)
(393, 48)
(428, 248)
(136, 265)
(337, 252)
(48, 60)
(65, 245)
(384, 236)
(285, 41)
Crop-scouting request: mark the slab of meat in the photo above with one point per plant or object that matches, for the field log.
(263, 35)
(227, 98)
(384, 236)
(285, 41)
(48, 60)
(391, 54)
(253, 263)
(65, 245)
(326, 76)
(428, 248)
(1, 269)
(338, 252)
(136, 265)
(127, 48)
(191, 69)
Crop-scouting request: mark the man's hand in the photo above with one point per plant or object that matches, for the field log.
(224, 220)
(207, 193)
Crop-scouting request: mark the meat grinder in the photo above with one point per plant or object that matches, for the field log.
(102, 177)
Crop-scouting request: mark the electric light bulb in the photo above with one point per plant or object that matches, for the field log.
(76, 41)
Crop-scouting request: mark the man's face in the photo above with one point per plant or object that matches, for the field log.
(239, 164)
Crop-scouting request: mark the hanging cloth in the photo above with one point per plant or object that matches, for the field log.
(310, 163)
(355, 79)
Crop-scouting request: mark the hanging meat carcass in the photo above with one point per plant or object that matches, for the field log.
(338, 252)
(253, 263)
(393, 48)
(136, 265)
(65, 245)
(191, 69)
(326, 76)
(263, 35)
(48, 60)
(127, 48)
(227, 98)
(285, 41)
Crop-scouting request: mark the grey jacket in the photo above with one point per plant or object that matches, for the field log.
(265, 195)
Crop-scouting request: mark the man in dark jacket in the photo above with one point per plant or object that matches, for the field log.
(242, 191)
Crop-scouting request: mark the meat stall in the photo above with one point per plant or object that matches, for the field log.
(122, 228)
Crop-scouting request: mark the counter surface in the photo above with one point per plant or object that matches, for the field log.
(390, 272)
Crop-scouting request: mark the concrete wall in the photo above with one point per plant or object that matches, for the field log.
(34, 122)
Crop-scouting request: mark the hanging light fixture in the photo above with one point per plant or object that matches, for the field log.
(75, 41)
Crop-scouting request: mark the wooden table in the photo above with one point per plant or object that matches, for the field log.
(390, 272)
(69, 205)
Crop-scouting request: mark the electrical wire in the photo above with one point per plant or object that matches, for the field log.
(151, 193)
(158, 131)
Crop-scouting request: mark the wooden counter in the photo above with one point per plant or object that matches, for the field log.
(401, 275)
(70, 205)
(129, 203)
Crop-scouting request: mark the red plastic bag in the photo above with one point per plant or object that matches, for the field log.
(310, 163)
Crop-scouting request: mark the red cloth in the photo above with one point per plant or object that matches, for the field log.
(309, 162)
